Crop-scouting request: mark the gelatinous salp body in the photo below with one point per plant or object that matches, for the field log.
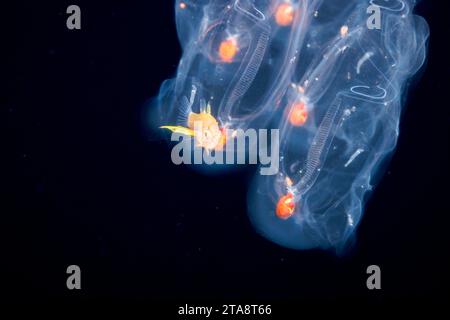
(330, 75)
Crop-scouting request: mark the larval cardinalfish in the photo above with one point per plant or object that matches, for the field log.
(202, 126)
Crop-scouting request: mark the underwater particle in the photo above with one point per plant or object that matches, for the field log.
(289, 182)
(285, 206)
(298, 115)
(228, 50)
(284, 15)
(344, 31)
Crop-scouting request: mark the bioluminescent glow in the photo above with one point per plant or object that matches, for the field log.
(330, 75)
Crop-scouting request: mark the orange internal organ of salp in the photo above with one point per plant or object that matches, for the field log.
(207, 133)
(284, 14)
(228, 50)
(298, 115)
(285, 206)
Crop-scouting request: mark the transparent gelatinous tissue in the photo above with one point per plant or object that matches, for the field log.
(330, 75)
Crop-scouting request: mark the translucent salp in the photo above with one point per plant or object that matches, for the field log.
(344, 63)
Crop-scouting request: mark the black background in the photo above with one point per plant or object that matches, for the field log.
(83, 183)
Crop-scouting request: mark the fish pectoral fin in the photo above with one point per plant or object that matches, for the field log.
(180, 130)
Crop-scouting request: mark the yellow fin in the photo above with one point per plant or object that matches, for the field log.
(180, 130)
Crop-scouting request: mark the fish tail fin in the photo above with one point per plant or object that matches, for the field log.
(180, 130)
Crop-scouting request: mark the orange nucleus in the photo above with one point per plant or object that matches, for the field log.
(228, 50)
(298, 115)
(285, 206)
(222, 140)
(284, 14)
